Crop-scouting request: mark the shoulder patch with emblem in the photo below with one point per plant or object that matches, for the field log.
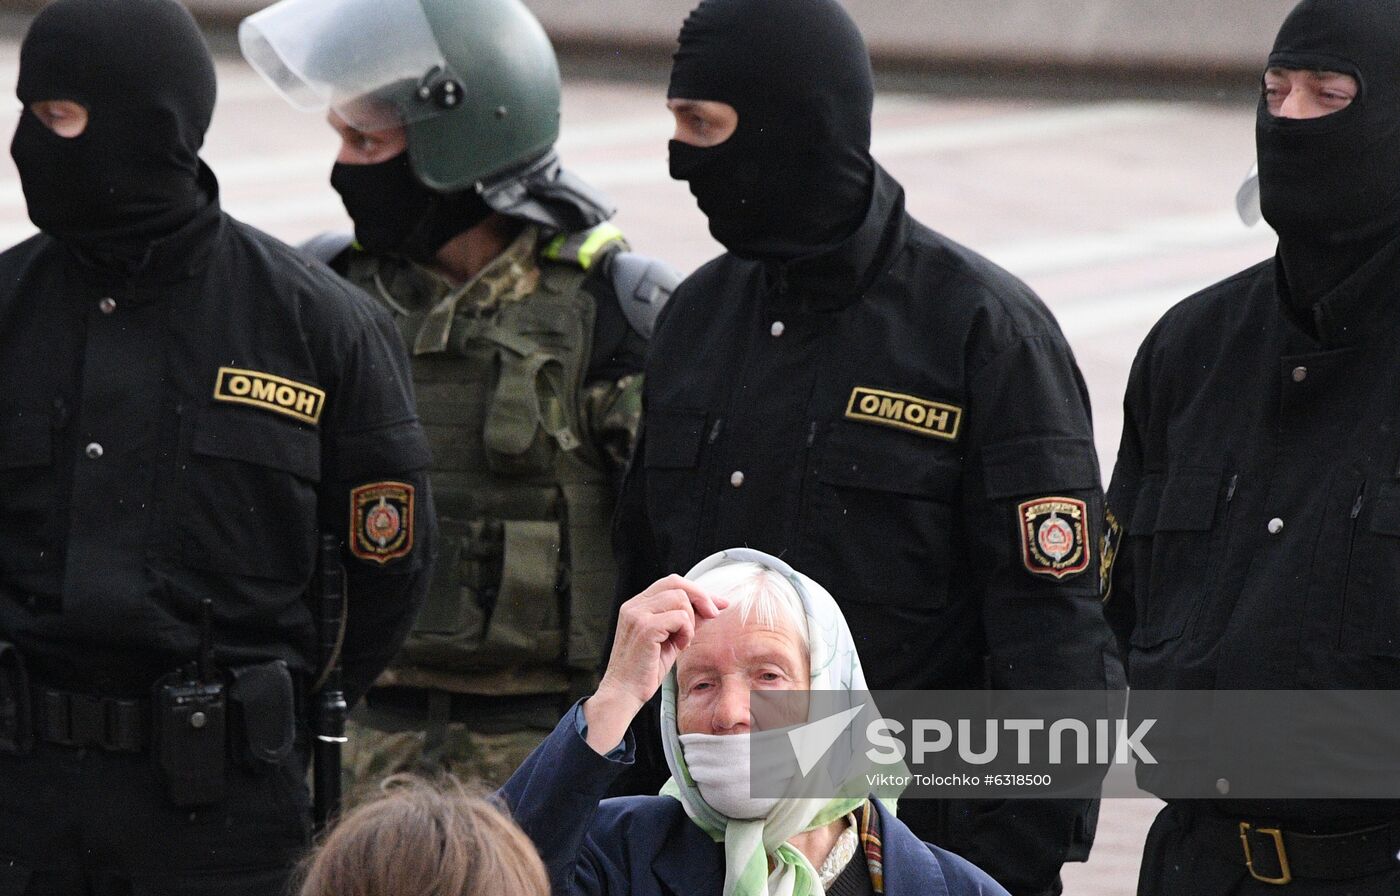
(381, 521)
(907, 412)
(1053, 536)
(270, 393)
(1108, 552)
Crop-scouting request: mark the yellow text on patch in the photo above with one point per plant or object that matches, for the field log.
(272, 393)
(908, 412)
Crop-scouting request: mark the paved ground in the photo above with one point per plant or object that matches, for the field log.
(1113, 209)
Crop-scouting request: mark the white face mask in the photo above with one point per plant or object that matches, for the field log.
(721, 765)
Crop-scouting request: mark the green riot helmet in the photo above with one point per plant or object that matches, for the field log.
(475, 82)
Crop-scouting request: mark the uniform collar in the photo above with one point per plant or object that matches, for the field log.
(837, 277)
(1365, 304)
(180, 256)
(510, 276)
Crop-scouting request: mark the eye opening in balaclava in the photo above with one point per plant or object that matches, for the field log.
(144, 73)
(796, 175)
(65, 117)
(1320, 69)
(709, 123)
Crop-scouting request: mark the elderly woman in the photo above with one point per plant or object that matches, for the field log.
(739, 622)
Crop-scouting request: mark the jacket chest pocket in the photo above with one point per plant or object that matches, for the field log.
(1173, 537)
(29, 537)
(246, 499)
(885, 507)
(674, 440)
(1371, 602)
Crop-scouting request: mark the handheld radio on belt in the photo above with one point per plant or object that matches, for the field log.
(191, 714)
(329, 714)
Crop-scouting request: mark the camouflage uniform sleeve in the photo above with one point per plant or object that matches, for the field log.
(612, 413)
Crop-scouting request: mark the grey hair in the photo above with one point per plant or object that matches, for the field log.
(761, 595)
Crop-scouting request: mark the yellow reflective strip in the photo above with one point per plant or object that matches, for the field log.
(555, 247)
(598, 238)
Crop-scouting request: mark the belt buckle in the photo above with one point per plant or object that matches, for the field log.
(1285, 873)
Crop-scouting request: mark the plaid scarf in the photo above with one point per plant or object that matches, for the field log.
(869, 833)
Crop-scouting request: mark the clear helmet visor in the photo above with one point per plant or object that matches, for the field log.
(376, 63)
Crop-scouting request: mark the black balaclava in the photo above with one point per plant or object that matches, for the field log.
(796, 175)
(142, 70)
(394, 213)
(1330, 186)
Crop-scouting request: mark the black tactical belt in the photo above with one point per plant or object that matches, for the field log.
(1276, 856)
(82, 720)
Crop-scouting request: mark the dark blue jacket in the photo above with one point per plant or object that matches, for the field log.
(645, 845)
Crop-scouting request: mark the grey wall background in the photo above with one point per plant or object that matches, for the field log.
(1184, 37)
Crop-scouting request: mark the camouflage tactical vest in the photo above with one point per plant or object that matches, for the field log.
(522, 591)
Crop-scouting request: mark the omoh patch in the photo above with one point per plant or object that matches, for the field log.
(1053, 536)
(907, 412)
(300, 401)
(381, 521)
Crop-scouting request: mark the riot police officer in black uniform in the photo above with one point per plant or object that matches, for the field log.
(878, 405)
(1256, 494)
(187, 405)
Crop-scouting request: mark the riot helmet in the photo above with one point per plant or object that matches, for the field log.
(475, 84)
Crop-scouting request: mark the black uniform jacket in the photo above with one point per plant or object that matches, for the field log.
(184, 432)
(889, 417)
(1257, 493)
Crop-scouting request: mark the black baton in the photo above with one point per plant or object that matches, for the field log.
(328, 718)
